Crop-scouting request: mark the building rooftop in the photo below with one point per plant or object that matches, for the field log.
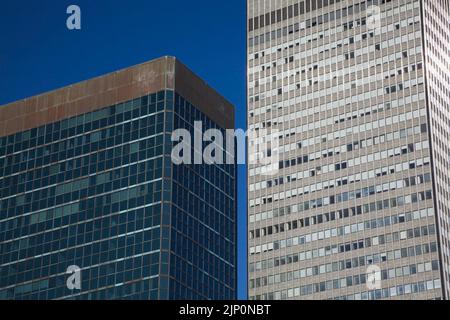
(113, 88)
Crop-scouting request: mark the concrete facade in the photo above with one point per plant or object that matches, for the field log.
(358, 93)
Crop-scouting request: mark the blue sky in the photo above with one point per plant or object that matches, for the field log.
(38, 53)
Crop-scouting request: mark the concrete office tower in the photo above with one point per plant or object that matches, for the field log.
(359, 94)
(86, 180)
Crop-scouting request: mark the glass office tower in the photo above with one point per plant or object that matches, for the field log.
(359, 93)
(87, 183)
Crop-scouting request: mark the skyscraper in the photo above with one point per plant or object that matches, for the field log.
(359, 94)
(91, 204)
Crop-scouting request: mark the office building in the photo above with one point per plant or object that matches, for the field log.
(89, 192)
(359, 95)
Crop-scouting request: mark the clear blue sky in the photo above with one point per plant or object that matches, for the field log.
(38, 53)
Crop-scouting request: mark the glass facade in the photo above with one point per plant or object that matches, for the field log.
(98, 191)
(203, 235)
